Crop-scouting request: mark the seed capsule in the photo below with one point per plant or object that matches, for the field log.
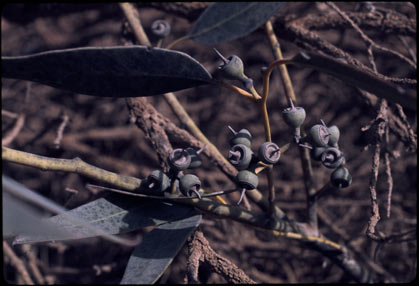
(242, 137)
(196, 160)
(240, 156)
(247, 179)
(160, 28)
(341, 178)
(332, 158)
(179, 159)
(319, 135)
(334, 135)
(316, 153)
(158, 181)
(190, 185)
(269, 153)
(232, 68)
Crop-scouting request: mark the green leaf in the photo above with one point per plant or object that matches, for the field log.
(358, 78)
(112, 214)
(22, 218)
(157, 250)
(227, 21)
(110, 71)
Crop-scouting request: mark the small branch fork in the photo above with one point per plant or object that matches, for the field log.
(200, 251)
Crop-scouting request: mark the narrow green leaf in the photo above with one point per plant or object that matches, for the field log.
(110, 71)
(155, 253)
(112, 214)
(227, 21)
(21, 218)
(358, 78)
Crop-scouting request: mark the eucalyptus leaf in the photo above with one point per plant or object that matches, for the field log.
(157, 250)
(227, 21)
(22, 218)
(110, 71)
(112, 214)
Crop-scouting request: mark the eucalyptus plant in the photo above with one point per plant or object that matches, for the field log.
(173, 200)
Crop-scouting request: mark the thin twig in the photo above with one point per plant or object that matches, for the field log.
(12, 134)
(367, 39)
(60, 130)
(304, 153)
(132, 16)
(388, 171)
(17, 263)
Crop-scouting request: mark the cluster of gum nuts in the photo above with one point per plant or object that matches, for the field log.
(324, 140)
(179, 160)
(245, 160)
(324, 145)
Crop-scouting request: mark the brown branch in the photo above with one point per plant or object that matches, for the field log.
(17, 263)
(312, 41)
(146, 120)
(12, 134)
(218, 264)
(378, 131)
(367, 39)
(60, 130)
(392, 24)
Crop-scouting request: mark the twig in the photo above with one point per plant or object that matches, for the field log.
(8, 113)
(60, 130)
(132, 16)
(27, 248)
(304, 153)
(75, 165)
(388, 171)
(285, 78)
(12, 134)
(192, 265)
(218, 264)
(376, 148)
(17, 263)
(368, 40)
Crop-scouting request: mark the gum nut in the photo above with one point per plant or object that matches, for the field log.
(341, 177)
(334, 135)
(294, 117)
(319, 135)
(247, 179)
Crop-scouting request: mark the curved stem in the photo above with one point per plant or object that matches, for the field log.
(174, 43)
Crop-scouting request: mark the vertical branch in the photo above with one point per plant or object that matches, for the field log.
(304, 153)
(285, 78)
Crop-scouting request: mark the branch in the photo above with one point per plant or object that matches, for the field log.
(75, 165)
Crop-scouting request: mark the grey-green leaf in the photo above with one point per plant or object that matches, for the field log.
(110, 71)
(21, 218)
(155, 253)
(227, 21)
(113, 214)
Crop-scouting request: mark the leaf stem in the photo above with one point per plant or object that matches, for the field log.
(174, 43)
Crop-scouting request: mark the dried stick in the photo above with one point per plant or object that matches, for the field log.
(218, 263)
(17, 263)
(60, 131)
(75, 165)
(11, 135)
(368, 40)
